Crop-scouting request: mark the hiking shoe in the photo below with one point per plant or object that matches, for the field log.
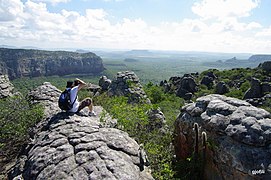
(92, 113)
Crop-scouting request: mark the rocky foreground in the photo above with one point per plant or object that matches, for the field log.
(239, 137)
(76, 146)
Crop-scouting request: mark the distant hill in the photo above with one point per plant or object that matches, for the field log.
(31, 63)
(130, 60)
(136, 53)
(260, 58)
(82, 51)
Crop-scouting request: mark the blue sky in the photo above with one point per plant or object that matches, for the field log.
(187, 25)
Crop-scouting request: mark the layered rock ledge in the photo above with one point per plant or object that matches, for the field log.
(76, 146)
(239, 137)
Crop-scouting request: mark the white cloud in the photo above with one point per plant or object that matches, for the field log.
(53, 2)
(31, 23)
(10, 9)
(113, 0)
(265, 33)
(224, 8)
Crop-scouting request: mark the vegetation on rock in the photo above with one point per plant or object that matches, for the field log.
(17, 115)
(133, 119)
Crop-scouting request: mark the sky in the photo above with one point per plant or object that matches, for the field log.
(233, 26)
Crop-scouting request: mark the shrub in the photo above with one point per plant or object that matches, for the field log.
(133, 119)
(17, 115)
(236, 93)
(245, 86)
(155, 93)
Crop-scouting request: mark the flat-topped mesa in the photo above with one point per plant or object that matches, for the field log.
(127, 84)
(32, 63)
(239, 137)
(78, 147)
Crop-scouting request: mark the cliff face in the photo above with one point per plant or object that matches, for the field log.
(32, 63)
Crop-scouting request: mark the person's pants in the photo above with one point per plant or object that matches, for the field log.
(86, 102)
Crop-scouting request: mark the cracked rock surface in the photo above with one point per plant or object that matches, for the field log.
(239, 137)
(77, 146)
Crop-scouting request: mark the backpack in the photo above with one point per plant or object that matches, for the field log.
(64, 101)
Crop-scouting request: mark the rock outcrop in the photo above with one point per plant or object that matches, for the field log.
(104, 83)
(266, 66)
(187, 87)
(221, 88)
(239, 137)
(257, 89)
(207, 81)
(157, 120)
(76, 146)
(183, 87)
(128, 84)
(32, 63)
(6, 88)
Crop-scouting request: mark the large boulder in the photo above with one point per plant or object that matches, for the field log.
(48, 95)
(221, 88)
(6, 87)
(258, 89)
(76, 146)
(207, 81)
(239, 137)
(266, 66)
(187, 86)
(127, 84)
(255, 91)
(183, 87)
(157, 119)
(104, 83)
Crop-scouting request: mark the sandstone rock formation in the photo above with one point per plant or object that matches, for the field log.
(255, 91)
(263, 101)
(76, 146)
(207, 81)
(31, 63)
(48, 95)
(104, 82)
(221, 88)
(266, 66)
(165, 85)
(6, 88)
(128, 84)
(184, 87)
(239, 137)
(258, 89)
(157, 120)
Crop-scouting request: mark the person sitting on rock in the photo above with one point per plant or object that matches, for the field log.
(76, 86)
